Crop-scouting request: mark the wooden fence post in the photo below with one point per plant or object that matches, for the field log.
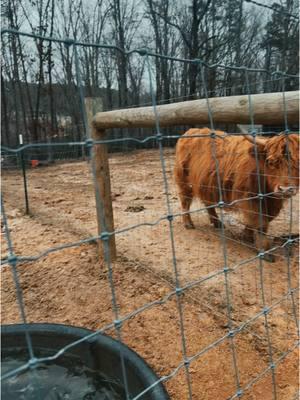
(102, 177)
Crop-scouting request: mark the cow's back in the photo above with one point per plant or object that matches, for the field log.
(200, 158)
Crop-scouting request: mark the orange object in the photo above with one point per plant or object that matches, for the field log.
(34, 163)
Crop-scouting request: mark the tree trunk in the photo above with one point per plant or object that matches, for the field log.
(4, 114)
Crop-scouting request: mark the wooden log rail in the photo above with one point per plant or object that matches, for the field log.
(267, 109)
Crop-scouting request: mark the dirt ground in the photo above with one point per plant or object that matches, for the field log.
(71, 285)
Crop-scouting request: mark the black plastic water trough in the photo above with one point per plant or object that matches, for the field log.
(88, 371)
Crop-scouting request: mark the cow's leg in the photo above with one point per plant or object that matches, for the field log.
(213, 217)
(186, 198)
(263, 242)
(257, 234)
(185, 192)
(248, 234)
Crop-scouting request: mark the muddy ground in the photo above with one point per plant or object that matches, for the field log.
(71, 285)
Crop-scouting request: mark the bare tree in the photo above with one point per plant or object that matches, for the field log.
(281, 42)
(39, 76)
(93, 23)
(119, 15)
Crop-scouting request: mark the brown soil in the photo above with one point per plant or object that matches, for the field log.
(71, 285)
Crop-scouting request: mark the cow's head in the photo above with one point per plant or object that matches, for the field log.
(280, 157)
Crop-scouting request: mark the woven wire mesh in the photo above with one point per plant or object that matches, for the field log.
(180, 288)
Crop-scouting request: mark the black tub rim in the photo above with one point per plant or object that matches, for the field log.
(145, 372)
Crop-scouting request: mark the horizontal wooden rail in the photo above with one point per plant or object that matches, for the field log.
(268, 109)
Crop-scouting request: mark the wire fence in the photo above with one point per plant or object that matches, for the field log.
(181, 288)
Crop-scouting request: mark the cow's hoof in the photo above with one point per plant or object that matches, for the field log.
(247, 239)
(218, 224)
(289, 251)
(269, 257)
(189, 225)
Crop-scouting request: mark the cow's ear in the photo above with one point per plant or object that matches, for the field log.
(278, 150)
(286, 153)
(273, 161)
(285, 149)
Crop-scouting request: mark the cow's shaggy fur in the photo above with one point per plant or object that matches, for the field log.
(199, 158)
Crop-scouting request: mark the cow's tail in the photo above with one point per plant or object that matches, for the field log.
(181, 170)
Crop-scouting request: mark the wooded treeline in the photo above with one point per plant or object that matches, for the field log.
(38, 78)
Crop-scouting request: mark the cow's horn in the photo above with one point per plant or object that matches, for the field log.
(258, 141)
